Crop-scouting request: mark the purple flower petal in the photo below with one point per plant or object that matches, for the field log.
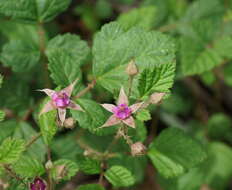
(47, 107)
(109, 107)
(135, 107)
(68, 90)
(47, 91)
(111, 121)
(62, 114)
(74, 106)
(129, 121)
(122, 99)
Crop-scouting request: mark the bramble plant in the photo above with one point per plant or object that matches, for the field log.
(144, 102)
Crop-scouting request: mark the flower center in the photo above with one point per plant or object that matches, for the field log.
(122, 111)
(60, 99)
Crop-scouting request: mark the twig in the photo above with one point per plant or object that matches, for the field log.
(87, 89)
(12, 174)
(33, 139)
(131, 78)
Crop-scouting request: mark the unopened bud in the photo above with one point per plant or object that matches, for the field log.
(61, 171)
(87, 153)
(38, 184)
(132, 69)
(156, 98)
(69, 123)
(49, 165)
(138, 149)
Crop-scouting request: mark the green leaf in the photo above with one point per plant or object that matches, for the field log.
(70, 169)
(66, 54)
(48, 126)
(91, 187)
(119, 176)
(19, 100)
(88, 165)
(38, 149)
(2, 115)
(196, 59)
(7, 128)
(174, 152)
(223, 46)
(219, 127)
(10, 150)
(219, 166)
(66, 147)
(93, 117)
(143, 115)
(30, 10)
(136, 165)
(203, 9)
(135, 17)
(20, 55)
(197, 47)
(216, 171)
(160, 79)
(28, 167)
(114, 48)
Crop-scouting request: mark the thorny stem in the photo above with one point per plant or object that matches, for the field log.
(87, 89)
(33, 139)
(12, 174)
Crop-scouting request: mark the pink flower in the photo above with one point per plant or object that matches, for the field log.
(38, 184)
(122, 113)
(61, 101)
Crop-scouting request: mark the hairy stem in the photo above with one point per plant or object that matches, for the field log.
(33, 139)
(87, 89)
(12, 174)
(131, 78)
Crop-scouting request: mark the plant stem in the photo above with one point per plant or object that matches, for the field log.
(33, 139)
(50, 182)
(12, 174)
(87, 89)
(131, 78)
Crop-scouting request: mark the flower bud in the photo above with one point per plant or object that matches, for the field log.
(60, 171)
(69, 123)
(156, 98)
(49, 165)
(132, 69)
(38, 184)
(138, 149)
